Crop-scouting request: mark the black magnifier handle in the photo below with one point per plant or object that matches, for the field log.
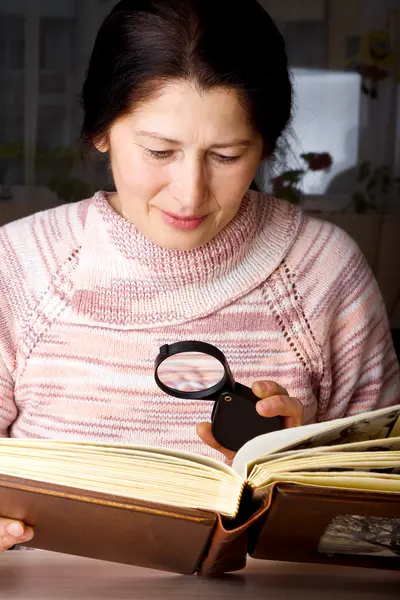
(236, 421)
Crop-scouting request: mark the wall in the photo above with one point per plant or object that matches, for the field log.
(49, 8)
(295, 10)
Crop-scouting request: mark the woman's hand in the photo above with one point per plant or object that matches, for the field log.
(274, 401)
(13, 532)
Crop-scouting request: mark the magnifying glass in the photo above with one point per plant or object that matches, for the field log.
(199, 371)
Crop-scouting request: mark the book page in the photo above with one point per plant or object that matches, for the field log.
(165, 454)
(366, 426)
(357, 481)
(346, 462)
(387, 444)
(139, 473)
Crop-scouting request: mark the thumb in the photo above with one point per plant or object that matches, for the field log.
(13, 532)
(205, 434)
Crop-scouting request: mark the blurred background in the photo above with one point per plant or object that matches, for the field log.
(340, 158)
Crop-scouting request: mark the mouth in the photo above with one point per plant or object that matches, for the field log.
(183, 223)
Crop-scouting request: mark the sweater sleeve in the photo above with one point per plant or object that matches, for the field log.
(355, 367)
(361, 369)
(31, 252)
(8, 410)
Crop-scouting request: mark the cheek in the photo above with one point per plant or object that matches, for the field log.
(249, 167)
(230, 187)
(233, 183)
(134, 173)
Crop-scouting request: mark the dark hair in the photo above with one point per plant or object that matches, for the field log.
(214, 43)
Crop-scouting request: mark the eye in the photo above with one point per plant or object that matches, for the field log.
(159, 154)
(226, 160)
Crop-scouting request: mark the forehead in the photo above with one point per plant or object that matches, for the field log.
(180, 109)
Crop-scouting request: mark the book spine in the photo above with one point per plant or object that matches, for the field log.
(228, 548)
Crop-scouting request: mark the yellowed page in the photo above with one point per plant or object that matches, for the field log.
(372, 425)
(150, 475)
(357, 481)
(372, 461)
(387, 444)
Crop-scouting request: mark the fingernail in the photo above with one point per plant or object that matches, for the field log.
(264, 405)
(28, 535)
(15, 530)
(260, 388)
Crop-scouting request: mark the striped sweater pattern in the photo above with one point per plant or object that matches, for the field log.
(86, 301)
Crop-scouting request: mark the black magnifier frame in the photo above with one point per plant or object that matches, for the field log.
(234, 419)
(227, 381)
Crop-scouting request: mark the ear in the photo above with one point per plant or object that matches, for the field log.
(101, 144)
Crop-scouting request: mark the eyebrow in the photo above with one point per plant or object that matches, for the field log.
(233, 143)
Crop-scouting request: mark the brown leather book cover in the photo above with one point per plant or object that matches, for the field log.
(298, 523)
(302, 523)
(335, 526)
(229, 544)
(108, 527)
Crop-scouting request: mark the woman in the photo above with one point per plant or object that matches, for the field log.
(186, 97)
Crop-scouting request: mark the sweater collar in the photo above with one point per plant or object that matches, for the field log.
(123, 278)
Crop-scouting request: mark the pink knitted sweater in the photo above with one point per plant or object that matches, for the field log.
(86, 301)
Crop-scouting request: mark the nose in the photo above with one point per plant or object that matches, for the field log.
(192, 185)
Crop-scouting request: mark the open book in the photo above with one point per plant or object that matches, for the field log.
(326, 492)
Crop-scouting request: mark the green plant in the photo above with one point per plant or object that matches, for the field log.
(11, 153)
(56, 168)
(372, 183)
(287, 185)
(59, 168)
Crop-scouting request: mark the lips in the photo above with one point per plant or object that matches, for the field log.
(183, 223)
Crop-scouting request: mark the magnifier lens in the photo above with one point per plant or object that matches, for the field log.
(190, 372)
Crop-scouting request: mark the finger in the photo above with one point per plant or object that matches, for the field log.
(205, 434)
(14, 532)
(264, 389)
(285, 406)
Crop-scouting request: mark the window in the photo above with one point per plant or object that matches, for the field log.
(56, 44)
(12, 46)
(306, 43)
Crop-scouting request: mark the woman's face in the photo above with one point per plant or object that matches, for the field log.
(182, 164)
